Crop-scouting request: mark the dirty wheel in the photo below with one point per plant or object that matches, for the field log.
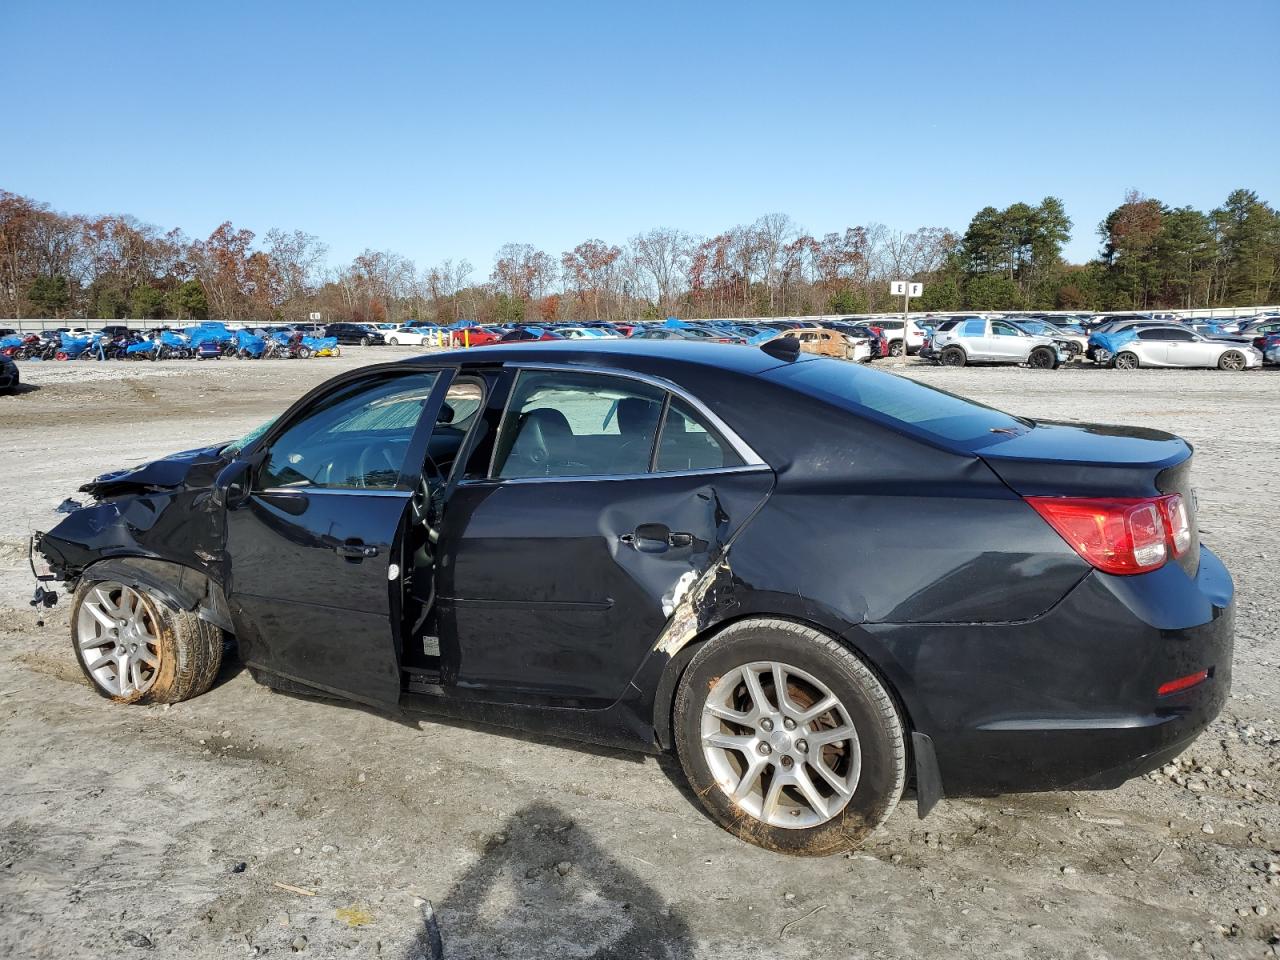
(1042, 358)
(134, 648)
(789, 740)
(1231, 360)
(1125, 360)
(953, 357)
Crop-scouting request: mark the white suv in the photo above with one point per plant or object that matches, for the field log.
(976, 340)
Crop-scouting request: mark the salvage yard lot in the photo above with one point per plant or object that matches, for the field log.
(176, 827)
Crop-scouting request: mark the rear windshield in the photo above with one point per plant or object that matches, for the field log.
(933, 414)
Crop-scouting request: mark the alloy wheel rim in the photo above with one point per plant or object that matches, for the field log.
(1125, 362)
(780, 745)
(1233, 361)
(117, 636)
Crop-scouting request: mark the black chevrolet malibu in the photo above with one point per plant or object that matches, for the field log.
(815, 582)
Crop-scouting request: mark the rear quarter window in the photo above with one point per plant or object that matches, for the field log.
(929, 413)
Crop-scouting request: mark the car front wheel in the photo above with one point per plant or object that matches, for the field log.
(1232, 360)
(135, 648)
(789, 739)
(1043, 358)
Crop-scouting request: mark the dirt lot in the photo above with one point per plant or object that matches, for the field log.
(172, 830)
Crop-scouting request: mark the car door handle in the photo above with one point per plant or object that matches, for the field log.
(655, 538)
(355, 550)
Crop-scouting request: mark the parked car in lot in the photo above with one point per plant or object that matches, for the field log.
(664, 546)
(1074, 343)
(893, 332)
(361, 334)
(706, 334)
(1177, 346)
(977, 340)
(529, 334)
(415, 334)
(9, 376)
(831, 343)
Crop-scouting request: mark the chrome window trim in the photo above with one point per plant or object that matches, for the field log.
(596, 478)
(749, 457)
(341, 491)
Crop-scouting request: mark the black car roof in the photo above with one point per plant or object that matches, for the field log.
(616, 353)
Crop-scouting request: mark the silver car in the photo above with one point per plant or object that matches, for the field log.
(976, 340)
(1176, 346)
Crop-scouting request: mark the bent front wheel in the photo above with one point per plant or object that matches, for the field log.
(135, 648)
(789, 740)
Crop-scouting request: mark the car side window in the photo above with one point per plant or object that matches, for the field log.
(1004, 330)
(355, 438)
(567, 424)
(1182, 335)
(687, 443)
(974, 328)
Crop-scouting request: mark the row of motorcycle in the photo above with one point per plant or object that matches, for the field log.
(165, 346)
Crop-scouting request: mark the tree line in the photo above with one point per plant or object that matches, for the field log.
(54, 264)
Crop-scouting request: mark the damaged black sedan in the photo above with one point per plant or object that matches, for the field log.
(817, 584)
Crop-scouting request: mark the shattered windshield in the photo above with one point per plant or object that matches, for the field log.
(235, 446)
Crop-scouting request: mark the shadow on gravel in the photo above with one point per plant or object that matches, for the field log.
(546, 888)
(19, 390)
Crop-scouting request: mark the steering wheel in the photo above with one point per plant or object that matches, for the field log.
(375, 459)
(429, 481)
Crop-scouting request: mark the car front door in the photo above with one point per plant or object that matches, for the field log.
(313, 527)
(1185, 349)
(1008, 343)
(606, 499)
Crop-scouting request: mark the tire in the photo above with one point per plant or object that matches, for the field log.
(1232, 360)
(1043, 358)
(186, 651)
(335, 352)
(895, 348)
(304, 353)
(953, 357)
(394, 342)
(811, 663)
(364, 341)
(1125, 360)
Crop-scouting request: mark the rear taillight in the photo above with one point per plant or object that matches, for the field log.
(1120, 535)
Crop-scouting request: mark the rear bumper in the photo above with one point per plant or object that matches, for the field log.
(1069, 700)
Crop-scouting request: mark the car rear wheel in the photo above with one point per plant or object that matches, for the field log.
(895, 348)
(1043, 358)
(135, 648)
(1231, 360)
(1126, 360)
(953, 357)
(788, 739)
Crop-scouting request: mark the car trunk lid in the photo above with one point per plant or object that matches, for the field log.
(1055, 459)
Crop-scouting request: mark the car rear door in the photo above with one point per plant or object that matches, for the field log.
(606, 500)
(313, 529)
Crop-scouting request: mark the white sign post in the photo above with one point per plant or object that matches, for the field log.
(906, 290)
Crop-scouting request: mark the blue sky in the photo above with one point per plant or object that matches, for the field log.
(440, 130)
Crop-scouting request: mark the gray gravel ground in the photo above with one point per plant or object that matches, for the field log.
(169, 832)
